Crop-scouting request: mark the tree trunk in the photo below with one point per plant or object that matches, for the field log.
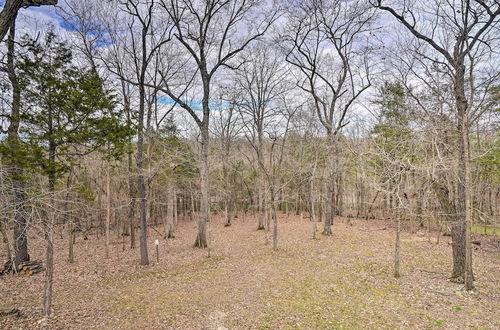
(108, 208)
(5, 238)
(49, 233)
(260, 180)
(275, 224)
(227, 212)
(20, 237)
(131, 210)
(49, 261)
(176, 202)
(330, 191)
(462, 252)
(201, 238)
(169, 232)
(397, 247)
(140, 180)
(71, 243)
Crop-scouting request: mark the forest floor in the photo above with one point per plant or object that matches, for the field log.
(340, 282)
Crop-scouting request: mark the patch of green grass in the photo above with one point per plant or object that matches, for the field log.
(488, 230)
(329, 300)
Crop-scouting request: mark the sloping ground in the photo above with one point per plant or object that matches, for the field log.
(343, 282)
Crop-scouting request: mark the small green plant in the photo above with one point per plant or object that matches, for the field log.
(438, 322)
(457, 308)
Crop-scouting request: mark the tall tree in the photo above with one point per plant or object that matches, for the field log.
(8, 17)
(66, 113)
(260, 83)
(144, 39)
(209, 32)
(393, 152)
(458, 32)
(327, 46)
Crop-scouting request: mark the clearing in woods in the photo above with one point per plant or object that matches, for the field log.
(343, 281)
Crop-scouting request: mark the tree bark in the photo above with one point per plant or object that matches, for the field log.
(5, 238)
(49, 261)
(140, 181)
(462, 264)
(397, 247)
(330, 190)
(169, 232)
(131, 209)
(16, 172)
(201, 238)
(108, 208)
(260, 182)
(11, 8)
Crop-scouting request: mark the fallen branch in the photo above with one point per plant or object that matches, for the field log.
(431, 272)
(10, 312)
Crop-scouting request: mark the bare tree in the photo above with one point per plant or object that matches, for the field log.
(458, 31)
(207, 31)
(226, 129)
(141, 52)
(259, 84)
(326, 46)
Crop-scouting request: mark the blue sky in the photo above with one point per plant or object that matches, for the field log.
(34, 18)
(194, 104)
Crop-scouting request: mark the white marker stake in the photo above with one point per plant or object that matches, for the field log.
(157, 243)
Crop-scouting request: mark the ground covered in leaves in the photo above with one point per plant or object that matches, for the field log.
(340, 282)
